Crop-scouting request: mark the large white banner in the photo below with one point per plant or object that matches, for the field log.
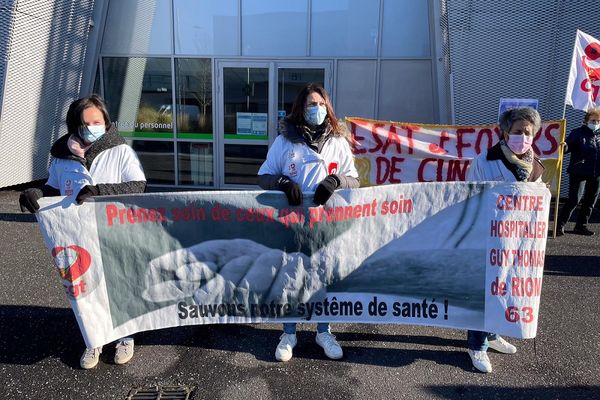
(584, 75)
(459, 255)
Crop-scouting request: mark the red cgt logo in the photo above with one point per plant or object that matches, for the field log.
(332, 168)
(71, 261)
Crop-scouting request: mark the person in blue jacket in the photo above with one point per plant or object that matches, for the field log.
(584, 173)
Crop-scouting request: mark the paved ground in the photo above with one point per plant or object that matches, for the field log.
(40, 343)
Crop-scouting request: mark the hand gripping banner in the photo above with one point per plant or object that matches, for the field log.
(458, 255)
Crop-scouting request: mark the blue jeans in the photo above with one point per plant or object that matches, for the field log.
(478, 341)
(290, 327)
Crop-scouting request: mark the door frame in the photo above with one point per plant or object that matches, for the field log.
(273, 100)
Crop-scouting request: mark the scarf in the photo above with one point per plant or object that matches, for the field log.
(523, 163)
(315, 138)
(77, 147)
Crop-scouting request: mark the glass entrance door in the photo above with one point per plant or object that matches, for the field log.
(251, 97)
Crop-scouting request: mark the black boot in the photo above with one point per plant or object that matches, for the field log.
(583, 230)
(560, 230)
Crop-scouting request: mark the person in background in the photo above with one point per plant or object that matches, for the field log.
(92, 159)
(584, 173)
(512, 160)
(312, 153)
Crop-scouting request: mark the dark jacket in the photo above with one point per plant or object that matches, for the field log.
(584, 146)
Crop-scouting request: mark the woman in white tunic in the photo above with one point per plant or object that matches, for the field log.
(91, 159)
(312, 153)
(512, 160)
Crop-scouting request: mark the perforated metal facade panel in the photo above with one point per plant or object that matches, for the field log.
(514, 48)
(6, 16)
(44, 64)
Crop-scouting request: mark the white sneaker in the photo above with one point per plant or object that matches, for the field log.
(480, 360)
(124, 350)
(502, 346)
(287, 342)
(90, 358)
(332, 348)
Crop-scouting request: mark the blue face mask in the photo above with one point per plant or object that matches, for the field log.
(91, 133)
(593, 127)
(315, 115)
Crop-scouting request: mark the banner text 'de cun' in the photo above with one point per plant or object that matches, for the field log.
(409, 254)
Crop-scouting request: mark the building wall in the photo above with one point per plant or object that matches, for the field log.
(42, 53)
(159, 57)
(515, 49)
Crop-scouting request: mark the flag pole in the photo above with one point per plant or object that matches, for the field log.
(561, 146)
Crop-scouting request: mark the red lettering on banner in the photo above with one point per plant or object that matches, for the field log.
(387, 169)
(357, 140)
(409, 136)
(520, 203)
(538, 134)
(460, 140)
(376, 137)
(439, 149)
(551, 138)
(456, 170)
(392, 138)
(487, 133)
(526, 287)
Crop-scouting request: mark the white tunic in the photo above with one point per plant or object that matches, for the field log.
(305, 166)
(115, 165)
(482, 169)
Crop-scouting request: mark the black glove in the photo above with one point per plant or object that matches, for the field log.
(291, 190)
(85, 192)
(326, 189)
(28, 200)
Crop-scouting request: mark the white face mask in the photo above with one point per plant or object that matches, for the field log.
(593, 127)
(315, 115)
(91, 133)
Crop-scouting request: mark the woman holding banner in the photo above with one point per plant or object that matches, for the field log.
(92, 159)
(312, 153)
(584, 173)
(512, 159)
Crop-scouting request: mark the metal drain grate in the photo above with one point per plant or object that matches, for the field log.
(161, 393)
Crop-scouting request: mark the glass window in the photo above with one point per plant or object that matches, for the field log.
(242, 163)
(356, 88)
(206, 27)
(274, 27)
(245, 103)
(139, 97)
(344, 28)
(157, 160)
(405, 29)
(291, 81)
(194, 98)
(138, 27)
(402, 78)
(195, 163)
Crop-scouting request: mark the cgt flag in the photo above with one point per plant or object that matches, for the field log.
(584, 76)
